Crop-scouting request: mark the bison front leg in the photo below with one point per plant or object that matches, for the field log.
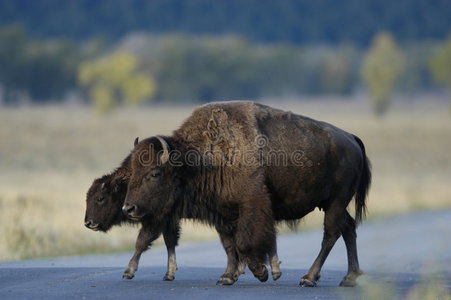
(233, 270)
(274, 262)
(255, 235)
(143, 242)
(171, 237)
(171, 266)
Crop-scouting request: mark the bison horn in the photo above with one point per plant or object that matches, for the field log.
(136, 142)
(165, 156)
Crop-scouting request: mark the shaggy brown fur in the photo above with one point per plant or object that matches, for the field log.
(241, 167)
(104, 202)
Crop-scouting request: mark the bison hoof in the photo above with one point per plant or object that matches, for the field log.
(128, 276)
(350, 279)
(168, 277)
(305, 282)
(264, 276)
(225, 281)
(276, 275)
(241, 268)
(348, 282)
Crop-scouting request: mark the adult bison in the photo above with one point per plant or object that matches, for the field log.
(242, 167)
(104, 202)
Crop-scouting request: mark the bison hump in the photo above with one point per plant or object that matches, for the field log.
(221, 128)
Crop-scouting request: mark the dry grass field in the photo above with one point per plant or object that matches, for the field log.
(50, 155)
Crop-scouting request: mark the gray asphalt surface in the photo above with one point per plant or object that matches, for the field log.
(398, 254)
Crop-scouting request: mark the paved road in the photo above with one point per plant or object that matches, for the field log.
(398, 255)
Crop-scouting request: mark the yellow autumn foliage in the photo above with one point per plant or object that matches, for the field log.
(440, 64)
(114, 80)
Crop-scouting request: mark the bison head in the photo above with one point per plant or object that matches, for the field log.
(103, 203)
(152, 184)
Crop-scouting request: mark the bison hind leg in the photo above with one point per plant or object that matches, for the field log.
(348, 226)
(332, 219)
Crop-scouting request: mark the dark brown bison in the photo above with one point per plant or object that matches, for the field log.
(242, 167)
(104, 202)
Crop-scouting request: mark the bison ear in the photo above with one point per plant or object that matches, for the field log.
(136, 141)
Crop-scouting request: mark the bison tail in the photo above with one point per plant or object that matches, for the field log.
(363, 187)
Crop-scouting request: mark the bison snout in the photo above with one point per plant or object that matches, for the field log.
(91, 225)
(129, 210)
(88, 223)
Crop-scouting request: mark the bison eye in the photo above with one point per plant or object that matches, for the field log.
(154, 175)
(100, 200)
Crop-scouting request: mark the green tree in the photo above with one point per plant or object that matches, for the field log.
(50, 70)
(205, 69)
(40, 70)
(13, 42)
(381, 69)
(114, 80)
(336, 75)
(440, 65)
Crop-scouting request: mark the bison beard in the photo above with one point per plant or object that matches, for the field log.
(242, 167)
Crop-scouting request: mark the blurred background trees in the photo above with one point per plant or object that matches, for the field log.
(381, 69)
(36, 70)
(114, 79)
(440, 64)
(262, 21)
(203, 50)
